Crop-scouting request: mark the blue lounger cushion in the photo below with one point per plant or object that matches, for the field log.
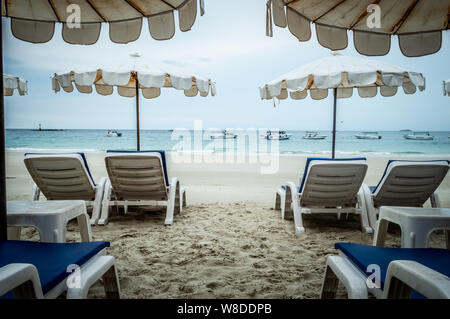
(50, 259)
(363, 256)
(373, 189)
(83, 156)
(310, 159)
(163, 158)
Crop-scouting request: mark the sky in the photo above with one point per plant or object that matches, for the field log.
(228, 44)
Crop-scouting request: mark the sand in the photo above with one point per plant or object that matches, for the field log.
(228, 242)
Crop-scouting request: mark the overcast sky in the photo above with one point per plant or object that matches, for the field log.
(228, 44)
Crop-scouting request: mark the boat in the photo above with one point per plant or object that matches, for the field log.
(223, 135)
(276, 135)
(314, 136)
(423, 136)
(113, 134)
(368, 136)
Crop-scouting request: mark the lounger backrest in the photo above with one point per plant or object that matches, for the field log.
(409, 183)
(61, 176)
(137, 175)
(332, 183)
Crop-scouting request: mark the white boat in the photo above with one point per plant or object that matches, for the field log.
(423, 136)
(113, 134)
(368, 136)
(222, 135)
(314, 136)
(280, 135)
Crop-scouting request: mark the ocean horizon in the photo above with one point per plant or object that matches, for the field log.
(96, 140)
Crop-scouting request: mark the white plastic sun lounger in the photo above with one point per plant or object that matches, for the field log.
(140, 179)
(387, 272)
(406, 183)
(327, 186)
(65, 177)
(46, 270)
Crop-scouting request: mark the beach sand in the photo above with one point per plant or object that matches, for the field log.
(228, 242)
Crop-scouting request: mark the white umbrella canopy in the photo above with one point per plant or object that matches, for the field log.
(342, 74)
(447, 87)
(418, 24)
(34, 20)
(130, 76)
(11, 83)
(122, 75)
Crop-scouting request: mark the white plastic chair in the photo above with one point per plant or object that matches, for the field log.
(327, 186)
(140, 179)
(65, 177)
(55, 262)
(405, 183)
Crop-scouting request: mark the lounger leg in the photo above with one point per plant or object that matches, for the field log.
(100, 267)
(287, 210)
(103, 220)
(298, 222)
(85, 227)
(97, 204)
(329, 285)
(365, 225)
(177, 204)
(35, 193)
(339, 269)
(370, 209)
(278, 201)
(380, 233)
(171, 202)
(434, 198)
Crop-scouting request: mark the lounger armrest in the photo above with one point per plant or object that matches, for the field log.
(22, 279)
(35, 193)
(403, 276)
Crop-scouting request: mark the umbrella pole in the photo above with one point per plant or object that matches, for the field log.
(334, 121)
(3, 227)
(137, 115)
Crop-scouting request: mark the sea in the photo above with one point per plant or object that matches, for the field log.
(392, 143)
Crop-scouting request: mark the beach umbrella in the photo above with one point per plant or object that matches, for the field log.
(342, 74)
(34, 21)
(11, 83)
(131, 77)
(447, 87)
(417, 23)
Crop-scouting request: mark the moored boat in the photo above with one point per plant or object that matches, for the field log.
(314, 136)
(276, 135)
(222, 135)
(368, 136)
(424, 136)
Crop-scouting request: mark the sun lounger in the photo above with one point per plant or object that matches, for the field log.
(65, 177)
(387, 272)
(140, 179)
(46, 270)
(405, 183)
(327, 186)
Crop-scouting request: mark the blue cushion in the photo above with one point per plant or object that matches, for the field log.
(373, 189)
(79, 153)
(50, 259)
(163, 158)
(309, 159)
(363, 256)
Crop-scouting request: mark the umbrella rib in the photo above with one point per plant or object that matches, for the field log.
(404, 17)
(96, 11)
(331, 9)
(362, 15)
(50, 2)
(135, 7)
(174, 8)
